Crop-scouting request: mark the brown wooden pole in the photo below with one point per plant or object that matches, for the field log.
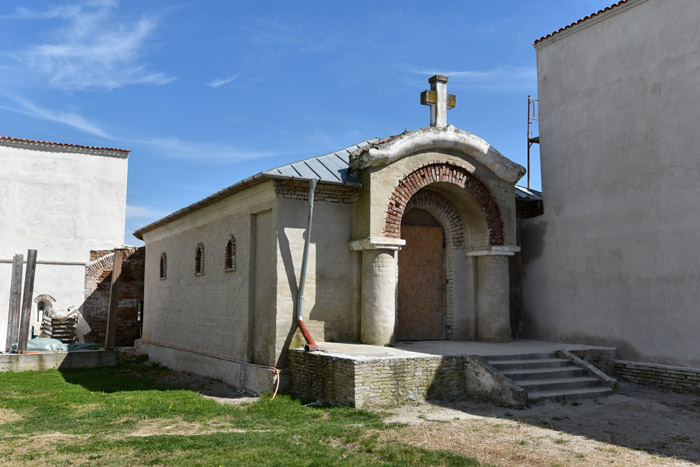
(27, 301)
(114, 299)
(15, 302)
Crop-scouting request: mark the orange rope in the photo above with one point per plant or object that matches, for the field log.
(277, 373)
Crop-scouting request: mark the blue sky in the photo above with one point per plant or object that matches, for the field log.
(205, 93)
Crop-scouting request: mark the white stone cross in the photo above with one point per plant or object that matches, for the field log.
(438, 100)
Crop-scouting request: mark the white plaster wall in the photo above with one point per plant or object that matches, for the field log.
(207, 313)
(329, 307)
(62, 204)
(612, 261)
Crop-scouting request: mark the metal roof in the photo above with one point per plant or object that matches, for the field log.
(527, 194)
(329, 168)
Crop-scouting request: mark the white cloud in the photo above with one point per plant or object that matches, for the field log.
(143, 212)
(218, 82)
(71, 119)
(94, 49)
(175, 148)
(503, 78)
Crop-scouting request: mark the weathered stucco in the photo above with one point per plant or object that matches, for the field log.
(211, 312)
(247, 317)
(611, 260)
(62, 202)
(328, 296)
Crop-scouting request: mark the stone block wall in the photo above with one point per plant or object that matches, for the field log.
(98, 283)
(675, 378)
(322, 377)
(603, 359)
(376, 382)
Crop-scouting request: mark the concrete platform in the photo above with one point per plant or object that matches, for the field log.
(58, 360)
(445, 348)
(365, 375)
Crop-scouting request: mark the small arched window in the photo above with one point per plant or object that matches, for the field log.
(199, 260)
(163, 266)
(230, 256)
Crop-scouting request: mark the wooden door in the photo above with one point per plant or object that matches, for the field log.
(421, 313)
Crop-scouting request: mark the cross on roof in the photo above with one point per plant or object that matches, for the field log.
(438, 100)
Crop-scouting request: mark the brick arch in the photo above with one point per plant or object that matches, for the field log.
(446, 173)
(441, 207)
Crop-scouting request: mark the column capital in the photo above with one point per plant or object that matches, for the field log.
(500, 250)
(376, 243)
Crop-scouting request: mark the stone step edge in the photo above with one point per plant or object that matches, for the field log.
(600, 391)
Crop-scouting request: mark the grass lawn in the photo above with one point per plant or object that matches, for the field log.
(129, 415)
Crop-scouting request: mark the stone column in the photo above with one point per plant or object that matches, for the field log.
(378, 298)
(493, 293)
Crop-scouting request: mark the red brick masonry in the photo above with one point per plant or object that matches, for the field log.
(447, 173)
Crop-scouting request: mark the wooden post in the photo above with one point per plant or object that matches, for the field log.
(27, 301)
(15, 302)
(114, 299)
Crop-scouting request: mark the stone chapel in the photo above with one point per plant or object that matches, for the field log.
(412, 237)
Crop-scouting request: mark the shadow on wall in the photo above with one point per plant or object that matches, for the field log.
(288, 262)
(98, 284)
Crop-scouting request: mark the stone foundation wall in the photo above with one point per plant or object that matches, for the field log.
(676, 378)
(377, 382)
(321, 377)
(603, 359)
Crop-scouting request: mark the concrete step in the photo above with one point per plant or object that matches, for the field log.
(554, 384)
(525, 356)
(570, 394)
(544, 373)
(518, 364)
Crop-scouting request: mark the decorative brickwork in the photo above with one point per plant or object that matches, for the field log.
(294, 189)
(446, 173)
(675, 378)
(98, 282)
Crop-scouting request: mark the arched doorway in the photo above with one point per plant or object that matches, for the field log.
(421, 290)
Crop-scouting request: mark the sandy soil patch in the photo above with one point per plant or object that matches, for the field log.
(9, 416)
(179, 427)
(639, 426)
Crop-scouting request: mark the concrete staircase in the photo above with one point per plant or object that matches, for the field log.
(547, 376)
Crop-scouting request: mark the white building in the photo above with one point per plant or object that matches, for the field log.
(62, 200)
(613, 260)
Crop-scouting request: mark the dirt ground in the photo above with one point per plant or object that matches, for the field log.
(639, 426)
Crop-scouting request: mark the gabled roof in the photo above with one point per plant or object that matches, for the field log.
(332, 168)
(585, 18)
(329, 168)
(48, 145)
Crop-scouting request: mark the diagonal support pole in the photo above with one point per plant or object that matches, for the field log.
(27, 301)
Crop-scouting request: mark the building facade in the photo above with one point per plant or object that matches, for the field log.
(62, 200)
(412, 238)
(612, 261)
